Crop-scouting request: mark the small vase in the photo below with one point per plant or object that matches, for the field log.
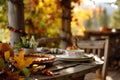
(29, 50)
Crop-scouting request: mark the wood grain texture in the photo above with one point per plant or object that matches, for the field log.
(96, 47)
(70, 71)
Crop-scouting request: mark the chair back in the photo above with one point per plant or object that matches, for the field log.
(97, 47)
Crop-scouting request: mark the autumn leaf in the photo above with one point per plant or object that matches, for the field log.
(7, 55)
(20, 62)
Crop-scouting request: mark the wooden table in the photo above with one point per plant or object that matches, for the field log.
(68, 71)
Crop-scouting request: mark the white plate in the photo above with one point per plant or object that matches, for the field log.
(73, 58)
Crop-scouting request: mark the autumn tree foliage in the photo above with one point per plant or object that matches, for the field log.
(4, 32)
(43, 18)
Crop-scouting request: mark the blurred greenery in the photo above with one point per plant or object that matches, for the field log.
(26, 42)
(103, 19)
(2, 2)
(115, 20)
(4, 32)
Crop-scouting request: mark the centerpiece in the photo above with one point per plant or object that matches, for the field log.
(28, 44)
(12, 65)
(18, 66)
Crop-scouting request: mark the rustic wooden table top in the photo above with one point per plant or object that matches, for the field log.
(68, 70)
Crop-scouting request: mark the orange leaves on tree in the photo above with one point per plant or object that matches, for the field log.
(79, 16)
(41, 14)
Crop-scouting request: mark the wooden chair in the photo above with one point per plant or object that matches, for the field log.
(99, 48)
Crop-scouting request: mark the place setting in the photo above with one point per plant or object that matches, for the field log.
(74, 55)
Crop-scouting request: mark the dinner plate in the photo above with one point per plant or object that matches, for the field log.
(74, 58)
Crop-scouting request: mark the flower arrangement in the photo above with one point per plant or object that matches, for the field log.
(26, 43)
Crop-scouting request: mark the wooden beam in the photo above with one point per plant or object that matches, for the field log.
(66, 26)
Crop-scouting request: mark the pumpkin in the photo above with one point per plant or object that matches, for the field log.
(6, 47)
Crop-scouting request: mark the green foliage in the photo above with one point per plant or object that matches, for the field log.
(26, 72)
(4, 33)
(2, 2)
(118, 3)
(103, 18)
(3, 13)
(115, 19)
(2, 64)
(88, 23)
(26, 43)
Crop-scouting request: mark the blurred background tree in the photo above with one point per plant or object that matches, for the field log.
(4, 32)
(103, 18)
(115, 20)
(2, 2)
(88, 23)
(43, 17)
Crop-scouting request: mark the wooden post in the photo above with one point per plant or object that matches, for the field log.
(66, 27)
(15, 19)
